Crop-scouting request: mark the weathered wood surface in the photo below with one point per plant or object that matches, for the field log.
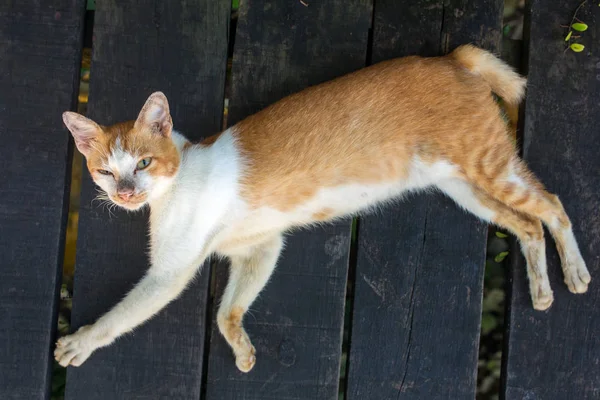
(556, 354)
(296, 324)
(419, 273)
(178, 47)
(40, 47)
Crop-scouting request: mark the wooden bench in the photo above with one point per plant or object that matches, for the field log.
(416, 270)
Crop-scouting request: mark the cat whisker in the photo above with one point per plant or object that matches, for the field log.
(110, 207)
(101, 198)
(105, 203)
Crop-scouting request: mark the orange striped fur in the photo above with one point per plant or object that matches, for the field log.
(368, 126)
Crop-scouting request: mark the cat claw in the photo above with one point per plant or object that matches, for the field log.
(246, 362)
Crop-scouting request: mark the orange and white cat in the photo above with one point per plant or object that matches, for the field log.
(326, 152)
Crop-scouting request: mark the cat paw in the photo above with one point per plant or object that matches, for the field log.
(542, 297)
(577, 276)
(74, 349)
(245, 362)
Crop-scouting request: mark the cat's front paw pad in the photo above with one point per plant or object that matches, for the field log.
(245, 362)
(74, 349)
(542, 297)
(577, 276)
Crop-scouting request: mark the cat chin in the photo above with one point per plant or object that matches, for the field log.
(135, 208)
(131, 206)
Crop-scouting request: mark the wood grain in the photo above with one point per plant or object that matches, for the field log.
(296, 324)
(556, 354)
(419, 274)
(40, 51)
(179, 48)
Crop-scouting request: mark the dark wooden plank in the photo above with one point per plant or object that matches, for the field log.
(180, 48)
(40, 51)
(419, 273)
(556, 354)
(296, 324)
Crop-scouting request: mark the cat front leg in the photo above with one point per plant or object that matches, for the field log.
(248, 275)
(161, 285)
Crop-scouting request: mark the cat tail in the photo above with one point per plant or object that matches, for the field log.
(505, 82)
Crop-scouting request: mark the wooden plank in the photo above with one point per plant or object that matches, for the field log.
(419, 274)
(40, 51)
(296, 324)
(555, 354)
(180, 48)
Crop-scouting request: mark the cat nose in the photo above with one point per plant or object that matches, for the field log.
(125, 194)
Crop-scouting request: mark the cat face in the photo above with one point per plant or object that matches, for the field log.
(133, 162)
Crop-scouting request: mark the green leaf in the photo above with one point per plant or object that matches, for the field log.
(494, 365)
(577, 47)
(488, 323)
(579, 26)
(568, 36)
(501, 256)
(493, 301)
(501, 235)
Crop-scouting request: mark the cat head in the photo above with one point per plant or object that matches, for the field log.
(133, 162)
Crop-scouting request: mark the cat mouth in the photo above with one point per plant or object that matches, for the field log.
(132, 203)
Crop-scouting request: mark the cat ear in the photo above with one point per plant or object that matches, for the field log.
(155, 115)
(83, 129)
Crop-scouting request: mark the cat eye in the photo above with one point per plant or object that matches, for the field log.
(104, 172)
(143, 163)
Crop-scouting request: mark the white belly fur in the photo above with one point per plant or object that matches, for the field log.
(339, 201)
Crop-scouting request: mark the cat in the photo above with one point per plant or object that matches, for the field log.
(326, 152)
